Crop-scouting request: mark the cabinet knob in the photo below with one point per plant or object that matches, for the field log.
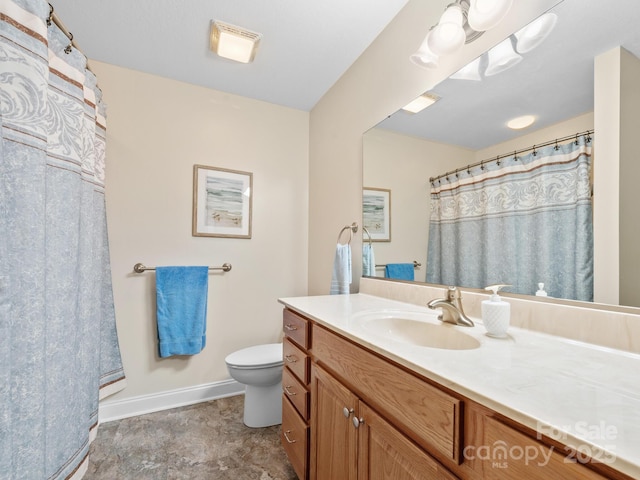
(357, 421)
(286, 435)
(347, 412)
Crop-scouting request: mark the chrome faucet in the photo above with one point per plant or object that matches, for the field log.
(452, 311)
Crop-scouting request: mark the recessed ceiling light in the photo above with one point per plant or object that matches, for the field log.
(423, 101)
(519, 123)
(234, 43)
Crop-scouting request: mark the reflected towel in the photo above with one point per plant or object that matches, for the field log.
(181, 309)
(341, 277)
(368, 261)
(399, 271)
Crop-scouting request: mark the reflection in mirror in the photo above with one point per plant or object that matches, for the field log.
(554, 82)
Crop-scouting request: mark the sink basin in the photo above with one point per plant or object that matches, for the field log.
(414, 328)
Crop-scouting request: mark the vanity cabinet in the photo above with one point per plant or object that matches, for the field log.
(351, 441)
(352, 414)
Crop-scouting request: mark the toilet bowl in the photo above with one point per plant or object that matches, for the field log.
(259, 368)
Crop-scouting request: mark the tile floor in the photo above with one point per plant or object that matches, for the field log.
(203, 441)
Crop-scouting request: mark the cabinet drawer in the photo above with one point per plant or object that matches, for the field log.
(295, 439)
(431, 417)
(295, 392)
(297, 360)
(512, 454)
(296, 328)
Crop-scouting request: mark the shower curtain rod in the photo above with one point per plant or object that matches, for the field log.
(53, 17)
(497, 158)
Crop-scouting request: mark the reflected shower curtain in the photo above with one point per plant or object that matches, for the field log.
(58, 346)
(525, 221)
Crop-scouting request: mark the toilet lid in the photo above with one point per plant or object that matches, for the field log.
(262, 355)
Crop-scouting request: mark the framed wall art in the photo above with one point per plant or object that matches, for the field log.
(376, 212)
(221, 202)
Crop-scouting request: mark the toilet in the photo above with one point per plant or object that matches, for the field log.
(259, 368)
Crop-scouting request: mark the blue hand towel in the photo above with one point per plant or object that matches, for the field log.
(399, 271)
(341, 277)
(181, 309)
(368, 261)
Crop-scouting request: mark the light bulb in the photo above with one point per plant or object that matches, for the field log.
(424, 57)
(486, 14)
(447, 36)
(501, 58)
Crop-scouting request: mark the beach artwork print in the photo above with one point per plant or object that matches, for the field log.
(221, 202)
(376, 212)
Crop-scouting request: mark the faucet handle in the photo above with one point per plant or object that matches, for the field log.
(453, 293)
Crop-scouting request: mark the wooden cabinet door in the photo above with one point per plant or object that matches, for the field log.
(334, 437)
(384, 453)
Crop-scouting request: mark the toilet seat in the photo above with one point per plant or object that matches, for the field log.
(258, 356)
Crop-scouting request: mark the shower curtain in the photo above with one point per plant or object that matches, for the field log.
(58, 346)
(522, 220)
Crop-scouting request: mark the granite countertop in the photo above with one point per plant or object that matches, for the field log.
(586, 396)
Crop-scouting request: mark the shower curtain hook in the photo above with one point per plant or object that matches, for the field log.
(556, 147)
(68, 48)
(498, 162)
(534, 151)
(50, 19)
(482, 165)
(576, 139)
(515, 155)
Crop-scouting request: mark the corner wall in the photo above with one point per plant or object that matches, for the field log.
(157, 129)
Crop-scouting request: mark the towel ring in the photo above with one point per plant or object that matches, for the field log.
(353, 228)
(364, 229)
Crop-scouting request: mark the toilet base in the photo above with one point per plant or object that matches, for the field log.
(263, 405)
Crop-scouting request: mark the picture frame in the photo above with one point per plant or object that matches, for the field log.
(222, 202)
(376, 213)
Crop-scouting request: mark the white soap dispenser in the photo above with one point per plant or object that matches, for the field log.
(496, 313)
(541, 291)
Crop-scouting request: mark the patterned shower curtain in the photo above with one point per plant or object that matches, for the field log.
(58, 346)
(524, 221)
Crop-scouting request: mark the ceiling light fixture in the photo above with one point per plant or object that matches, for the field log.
(533, 34)
(423, 101)
(234, 43)
(501, 57)
(519, 123)
(486, 14)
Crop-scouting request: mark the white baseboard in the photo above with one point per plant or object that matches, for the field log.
(130, 407)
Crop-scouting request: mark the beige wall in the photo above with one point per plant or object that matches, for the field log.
(404, 165)
(380, 82)
(157, 130)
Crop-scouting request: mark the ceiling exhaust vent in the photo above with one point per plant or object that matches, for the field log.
(232, 42)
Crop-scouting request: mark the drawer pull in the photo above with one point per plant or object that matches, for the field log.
(357, 421)
(347, 412)
(286, 389)
(290, 327)
(291, 358)
(286, 435)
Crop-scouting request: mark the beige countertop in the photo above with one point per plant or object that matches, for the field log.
(586, 396)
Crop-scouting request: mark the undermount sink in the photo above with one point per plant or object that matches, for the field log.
(417, 329)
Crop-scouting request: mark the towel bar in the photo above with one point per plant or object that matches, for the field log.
(415, 265)
(139, 267)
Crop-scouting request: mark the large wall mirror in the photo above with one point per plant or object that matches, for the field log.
(554, 82)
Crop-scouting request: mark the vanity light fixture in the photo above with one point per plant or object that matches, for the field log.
(455, 28)
(471, 71)
(501, 58)
(234, 43)
(533, 34)
(423, 101)
(486, 14)
(448, 36)
(519, 123)
(424, 57)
